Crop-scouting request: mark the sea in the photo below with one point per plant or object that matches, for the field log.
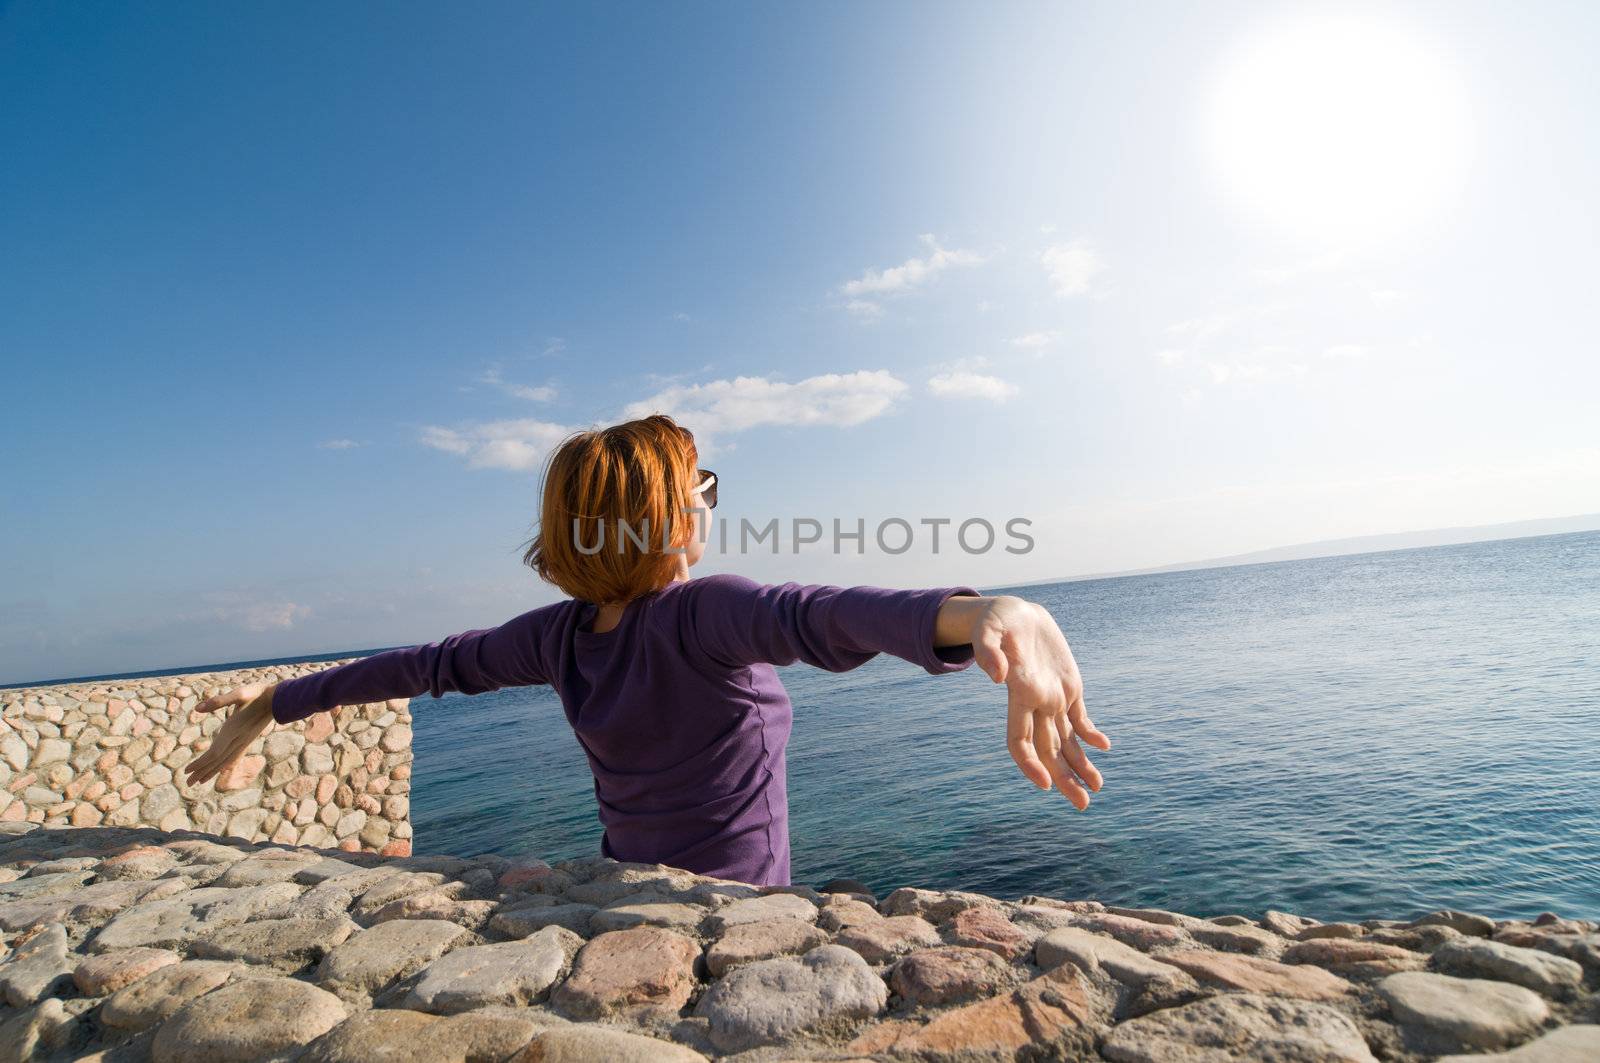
(1374, 735)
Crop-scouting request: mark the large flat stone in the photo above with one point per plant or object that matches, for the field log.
(748, 942)
(390, 888)
(267, 866)
(101, 975)
(769, 1001)
(325, 900)
(1095, 953)
(948, 974)
(521, 922)
(1255, 975)
(888, 938)
(650, 913)
(986, 927)
(156, 996)
(760, 910)
(1468, 923)
(645, 967)
(34, 887)
(1239, 1026)
(1554, 976)
(37, 968)
(1334, 953)
(1438, 1013)
(511, 973)
(246, 1021)
(173, 922)
(1136, 933)
(372, 959)
(841, 911)
(1251, 940)
(287, 945)
(932, 905)
(93, 904)
(1051, 1017)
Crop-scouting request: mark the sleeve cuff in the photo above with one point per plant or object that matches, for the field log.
(939, 660)
(291, 699)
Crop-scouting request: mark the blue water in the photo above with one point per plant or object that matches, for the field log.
(1346, 737)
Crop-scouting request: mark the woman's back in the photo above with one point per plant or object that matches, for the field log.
(687, 752)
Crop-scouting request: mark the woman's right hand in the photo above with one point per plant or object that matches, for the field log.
(243, 726)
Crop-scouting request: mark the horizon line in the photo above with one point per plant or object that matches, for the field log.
(1247, 559)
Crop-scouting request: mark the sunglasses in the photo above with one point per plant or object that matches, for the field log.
(707, 488)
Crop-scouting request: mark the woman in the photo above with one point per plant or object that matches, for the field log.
(668, 681)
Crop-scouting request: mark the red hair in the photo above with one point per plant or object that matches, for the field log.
(598, 487)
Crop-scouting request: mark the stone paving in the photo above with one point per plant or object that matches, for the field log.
(130, 944)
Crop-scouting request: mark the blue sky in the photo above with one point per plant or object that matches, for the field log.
(293, 297)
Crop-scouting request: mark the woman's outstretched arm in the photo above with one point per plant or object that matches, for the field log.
(738, 622)
(472, 662)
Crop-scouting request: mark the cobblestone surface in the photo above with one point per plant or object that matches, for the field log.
(129, 944)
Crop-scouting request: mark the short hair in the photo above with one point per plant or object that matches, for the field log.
(637, 474)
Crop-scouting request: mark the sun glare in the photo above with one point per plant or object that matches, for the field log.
(1340, 129)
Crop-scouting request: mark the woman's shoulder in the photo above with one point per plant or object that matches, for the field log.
(549, 618)
(720, 587)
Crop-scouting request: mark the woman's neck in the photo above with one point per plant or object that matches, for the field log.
(607, 617)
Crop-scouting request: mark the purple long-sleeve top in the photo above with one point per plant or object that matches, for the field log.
(678, 707)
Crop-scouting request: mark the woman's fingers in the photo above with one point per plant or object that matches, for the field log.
(1019, 740)
(1084, 726)
(1048, 741)
(225, 748)
(207, 764)
(236, 696)
(1078, 760)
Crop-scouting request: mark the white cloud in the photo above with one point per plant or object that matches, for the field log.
(1036, 340)
(338, 444)
(542, 393)
(519, 445)
(1386, 296)
(1204, 327)
(265, 616)
(839, 399)
(897, 280)
(1227, 372)
(1072, 267)
(1346, 350)
(963, 385)
(1171, 356)
(1312, 266)
(241, 608)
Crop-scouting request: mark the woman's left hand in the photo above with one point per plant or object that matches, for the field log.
(1018, 643)
(242, 727)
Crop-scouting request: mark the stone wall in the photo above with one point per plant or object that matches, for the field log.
(126, 945)
(111, 753)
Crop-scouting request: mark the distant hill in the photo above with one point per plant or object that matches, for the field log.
(1369, 544)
